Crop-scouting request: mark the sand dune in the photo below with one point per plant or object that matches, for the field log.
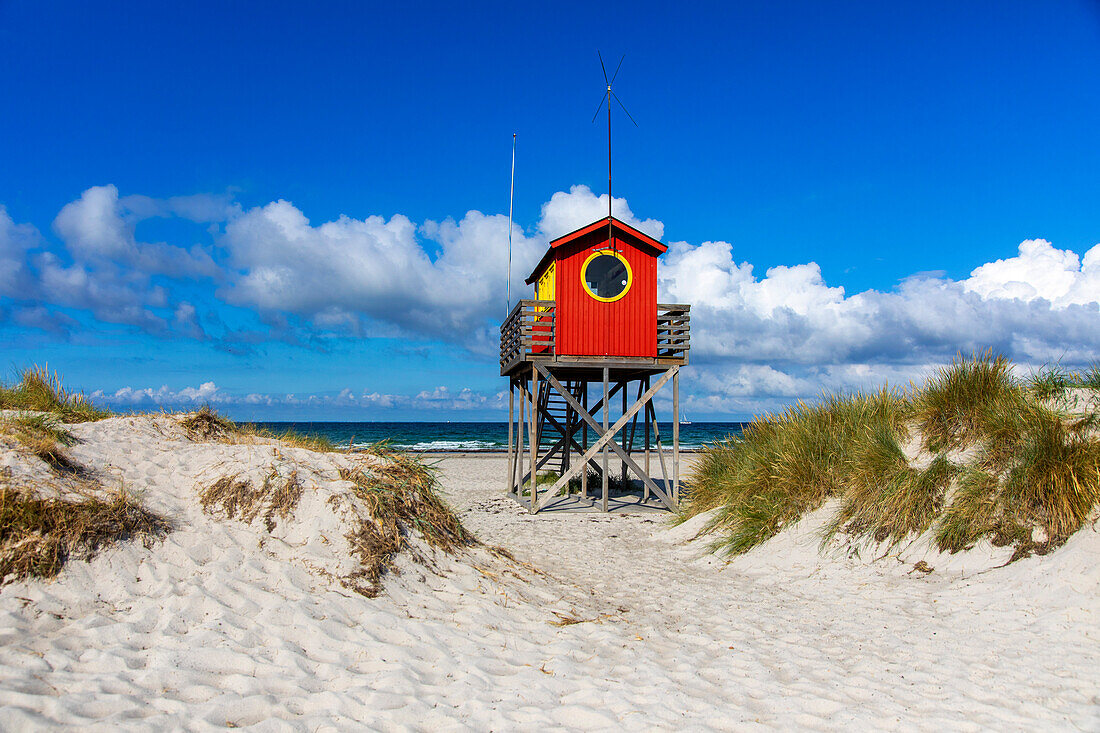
(634, 626)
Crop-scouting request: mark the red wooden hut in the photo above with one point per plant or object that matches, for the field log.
(603, 280)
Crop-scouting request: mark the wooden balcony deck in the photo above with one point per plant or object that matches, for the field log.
(527, 336)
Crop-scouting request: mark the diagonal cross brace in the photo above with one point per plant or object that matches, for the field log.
(545, 457)
(606, 438)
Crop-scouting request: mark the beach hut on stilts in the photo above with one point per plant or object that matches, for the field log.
(584, 360)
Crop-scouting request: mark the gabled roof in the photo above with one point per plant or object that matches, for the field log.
(639, 239)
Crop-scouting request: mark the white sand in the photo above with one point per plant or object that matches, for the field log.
(224, 624)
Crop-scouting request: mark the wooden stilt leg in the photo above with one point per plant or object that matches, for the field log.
(625, 446)
(518, 478)
(660, 452)
(584, 442)
(511, 420)
(607, 435)
(676, 438)
(606, 409)
(534, 438)
(645, 420)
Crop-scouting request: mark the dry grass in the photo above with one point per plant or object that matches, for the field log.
(38, 535)
(318, 443)
(41, 435)
(1052, 382)
(1032, 478)
(1090, 378)
(237, 498)
(40, 391)
(207, 424)
(399, 494)
(615, 482)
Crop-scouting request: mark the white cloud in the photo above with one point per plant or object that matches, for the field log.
(1040, 271)
(339, 271)
(102, 267)
(757, 339)
(567, 212)
(98, 227)
(440, 399)
(16, 240)
(791, 316)
(204, 393)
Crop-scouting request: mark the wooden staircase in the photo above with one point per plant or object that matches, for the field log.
(554, 409)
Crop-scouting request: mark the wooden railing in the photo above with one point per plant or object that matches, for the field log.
(529, 330)
(673, 331)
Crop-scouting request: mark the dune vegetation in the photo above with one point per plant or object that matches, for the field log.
(39, 534)
(37, 390)
(207, 424)
(976, 453)
(61, 509)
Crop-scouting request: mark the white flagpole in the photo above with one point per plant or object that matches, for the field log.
(511, 194)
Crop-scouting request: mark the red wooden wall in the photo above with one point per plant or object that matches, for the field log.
(589, 327)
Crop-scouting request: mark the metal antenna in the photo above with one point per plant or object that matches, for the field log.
(608, 95)
(511, 195)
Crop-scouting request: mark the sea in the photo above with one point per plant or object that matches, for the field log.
(471, 437)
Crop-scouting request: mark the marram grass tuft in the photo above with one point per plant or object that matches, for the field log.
(40, 391)
(996, 463)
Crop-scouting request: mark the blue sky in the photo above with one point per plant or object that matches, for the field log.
(239, 203)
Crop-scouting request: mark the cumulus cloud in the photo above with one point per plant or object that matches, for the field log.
(102, 267)
(16, 240)
(757, 338)
(1040, 270)
(567, 212)
(792, 316)
(207, 392)
(97, 227)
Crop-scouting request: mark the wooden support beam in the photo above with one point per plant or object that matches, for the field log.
(584, 442)
(645, 421)
(545, 458)
(511, 420)
(606, 436)
(676, 437)
(626, 447)
(519, 441)
(606, 405)
(533, 432)
(660, 450)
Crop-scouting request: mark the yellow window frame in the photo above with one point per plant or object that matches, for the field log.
(617, 255)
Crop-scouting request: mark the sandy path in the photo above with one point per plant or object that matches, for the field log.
(224, 623)
(786, 638)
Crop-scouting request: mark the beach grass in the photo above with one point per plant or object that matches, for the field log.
(1051, 382)
(206, 424)
(954, 407)
(996, 461)
(615, 482)
(1090, 378)
(38, 534)
(277, 497)
(400, 495)
(39, 390)
(784, 465)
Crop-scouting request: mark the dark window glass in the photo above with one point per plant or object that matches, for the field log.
(606, 276)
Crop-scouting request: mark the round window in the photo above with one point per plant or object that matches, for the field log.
(606, 275)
